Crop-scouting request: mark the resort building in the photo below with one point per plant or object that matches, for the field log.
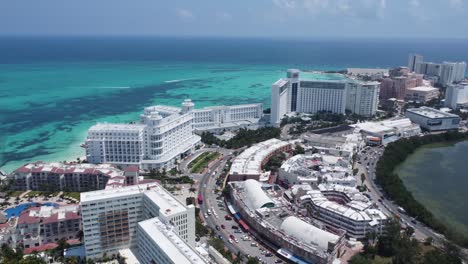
(315, 169)
(164, 134)
(452, 72)
(311, 96)
(114, 219)
(373, 74)
(262, 210)
(362, 98)
(446, 73)
(386, 131)
(395, 87)
(72, 177)
(432, 119)
(249, 164)
(224, 118)
(456, 95)
(37, 226)
(34, 226)
(421, 94)
(342, 207)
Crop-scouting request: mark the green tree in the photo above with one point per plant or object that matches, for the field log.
(252, 260)
(32, 259)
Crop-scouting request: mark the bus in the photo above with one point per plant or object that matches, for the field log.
(200, 199)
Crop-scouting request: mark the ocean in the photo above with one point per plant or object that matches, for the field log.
(52, 89)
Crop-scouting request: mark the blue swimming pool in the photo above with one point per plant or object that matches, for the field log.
(16, 211)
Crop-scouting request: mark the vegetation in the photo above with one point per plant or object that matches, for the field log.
(398, 247)
(164, 179)
(244, 137)
(74, 195)
(202, 161)
(298, 150)
(274, 163)
(397, 152)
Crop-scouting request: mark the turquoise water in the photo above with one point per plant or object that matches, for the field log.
(17, 210)
(436, 175)
(48, 107)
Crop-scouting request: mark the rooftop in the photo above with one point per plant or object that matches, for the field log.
(430, 112)
(250, 160)
(171, 244)
(116, 192)
(424, 89)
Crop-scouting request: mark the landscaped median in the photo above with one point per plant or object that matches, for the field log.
(202, 161)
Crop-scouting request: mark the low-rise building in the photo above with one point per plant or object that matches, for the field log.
(342, 207)
(38, 226)
(337, 145)
(249, 164)
(315, 169)
(386, 131)
(422, 94)
(432, 119)
(266, 216)
(72, 177)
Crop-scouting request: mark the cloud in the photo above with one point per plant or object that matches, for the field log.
(285, 4)
(364, 9)
(223, 16)
(185, 14)
(456, 4)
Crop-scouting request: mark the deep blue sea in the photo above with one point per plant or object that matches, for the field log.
(52, 89)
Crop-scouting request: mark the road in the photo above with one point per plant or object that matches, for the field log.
(366, 164)
(216, 204)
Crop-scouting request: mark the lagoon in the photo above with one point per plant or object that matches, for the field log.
(437, 175)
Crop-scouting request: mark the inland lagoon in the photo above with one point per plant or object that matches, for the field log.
(437, 175)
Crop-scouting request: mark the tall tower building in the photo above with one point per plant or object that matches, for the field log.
(413, 61)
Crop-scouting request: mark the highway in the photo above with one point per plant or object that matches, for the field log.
(213, 202)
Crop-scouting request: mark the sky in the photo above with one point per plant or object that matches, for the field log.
(238, 18)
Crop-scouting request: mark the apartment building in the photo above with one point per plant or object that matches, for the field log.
(456, 95)
(422, 94)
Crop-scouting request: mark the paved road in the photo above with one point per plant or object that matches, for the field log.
(366, 163)
(216, 204)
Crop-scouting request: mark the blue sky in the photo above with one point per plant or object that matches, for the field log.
(249, 18)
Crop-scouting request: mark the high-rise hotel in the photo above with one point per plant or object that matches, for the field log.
(293, 94)
(164, 133)
(144, 218)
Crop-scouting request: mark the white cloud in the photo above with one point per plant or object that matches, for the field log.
(185, 14)
(351, 8)
(285, 4)
(223, 16)
(456, 3)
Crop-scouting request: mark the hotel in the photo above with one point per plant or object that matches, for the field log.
(164, 134)
(144, 218)
(456, 96)
(311, 96)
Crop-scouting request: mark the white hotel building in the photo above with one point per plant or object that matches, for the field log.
(456, 96)
(163, 134)
(311, 96)
(138, 218)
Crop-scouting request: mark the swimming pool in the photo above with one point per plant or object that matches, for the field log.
(17, 210)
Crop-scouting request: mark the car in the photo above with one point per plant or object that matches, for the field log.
(230, 241)
(414, 221)
(217, 227)
(220, 237)
(253, 244)
(232, 237)
(237, 241)
(235, 227)
(268, 255)
(205, 215)
(380, 200)
(227, 217)
(238, 231)
(259, 258)
(223, 226)
(278, 261)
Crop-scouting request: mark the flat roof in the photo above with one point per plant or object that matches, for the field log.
(115, 192)
(431, 112)
(423, 89)
(250, 160)
(117, 127)
(171, 244)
